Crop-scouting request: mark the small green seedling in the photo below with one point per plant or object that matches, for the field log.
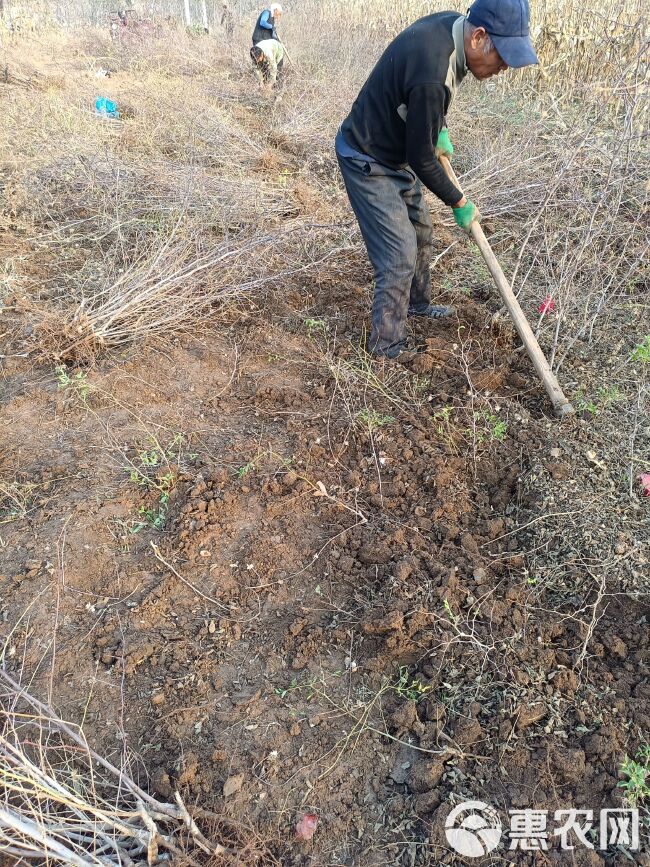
(372, 419)
(637, 777)
(442, 417)
(283, 177)
(492, 427)
(246, 469)
(316, 327)
(498, 430)
(453, 617)
(410, 690)
(154, 518)
(148, 473)
(642, 351)
(78, 382)
(585, 404)
(309, 687)
(610, 395)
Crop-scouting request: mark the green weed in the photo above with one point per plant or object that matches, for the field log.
(283, 178)
(151, 471)
(444, 428)
(607, 396)
(637, 773)
(449, 611)
(642, 351)
(283, 692)
(310, 688)
(410, 689)
(154, 518)
(442, 419)
(145, 471)
(489, 427)
(610, 395)
(479, 267)
(316, 328)
(372, 419)
(253, 464)
(246, 469)
(78, 383)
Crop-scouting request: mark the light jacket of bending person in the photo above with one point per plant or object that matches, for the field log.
(268, 58)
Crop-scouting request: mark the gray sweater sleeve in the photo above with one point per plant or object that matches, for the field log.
(425, 119)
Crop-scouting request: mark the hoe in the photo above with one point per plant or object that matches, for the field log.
(557, 397)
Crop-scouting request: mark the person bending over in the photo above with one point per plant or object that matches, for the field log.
(268, 60)
(388, 148)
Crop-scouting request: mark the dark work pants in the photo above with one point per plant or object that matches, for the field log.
(396, 227)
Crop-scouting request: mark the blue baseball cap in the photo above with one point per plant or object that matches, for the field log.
(507, 23)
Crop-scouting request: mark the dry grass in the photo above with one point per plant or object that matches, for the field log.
(142, 227)
(149, 224)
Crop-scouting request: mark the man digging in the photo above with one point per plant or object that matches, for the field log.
(389, 144)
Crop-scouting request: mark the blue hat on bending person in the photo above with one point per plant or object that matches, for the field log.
(506, 21)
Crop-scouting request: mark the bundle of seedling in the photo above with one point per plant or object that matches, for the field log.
(63, 803)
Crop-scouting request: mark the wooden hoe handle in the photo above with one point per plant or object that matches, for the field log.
(560, 402)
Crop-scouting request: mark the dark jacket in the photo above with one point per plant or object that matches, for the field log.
(403, 105)
(260, 33)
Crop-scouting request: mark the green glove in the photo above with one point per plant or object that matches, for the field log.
(444, 147)
(466, 215)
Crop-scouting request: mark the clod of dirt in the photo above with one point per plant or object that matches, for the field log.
(422, 363)
(426, 775)
(426, 802)
(469, 543)
(161, 783)
(219, 755)
(528, 715)
(435, 712)
(587, 858)
(569, 765)
(405, 719)
(599, 746)
(403, 570)
(566, 682)
(616, 645)
(233, 785)
(468, 732)
(374, 554)
(392, 622)
(188, 770)
(137, 655)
